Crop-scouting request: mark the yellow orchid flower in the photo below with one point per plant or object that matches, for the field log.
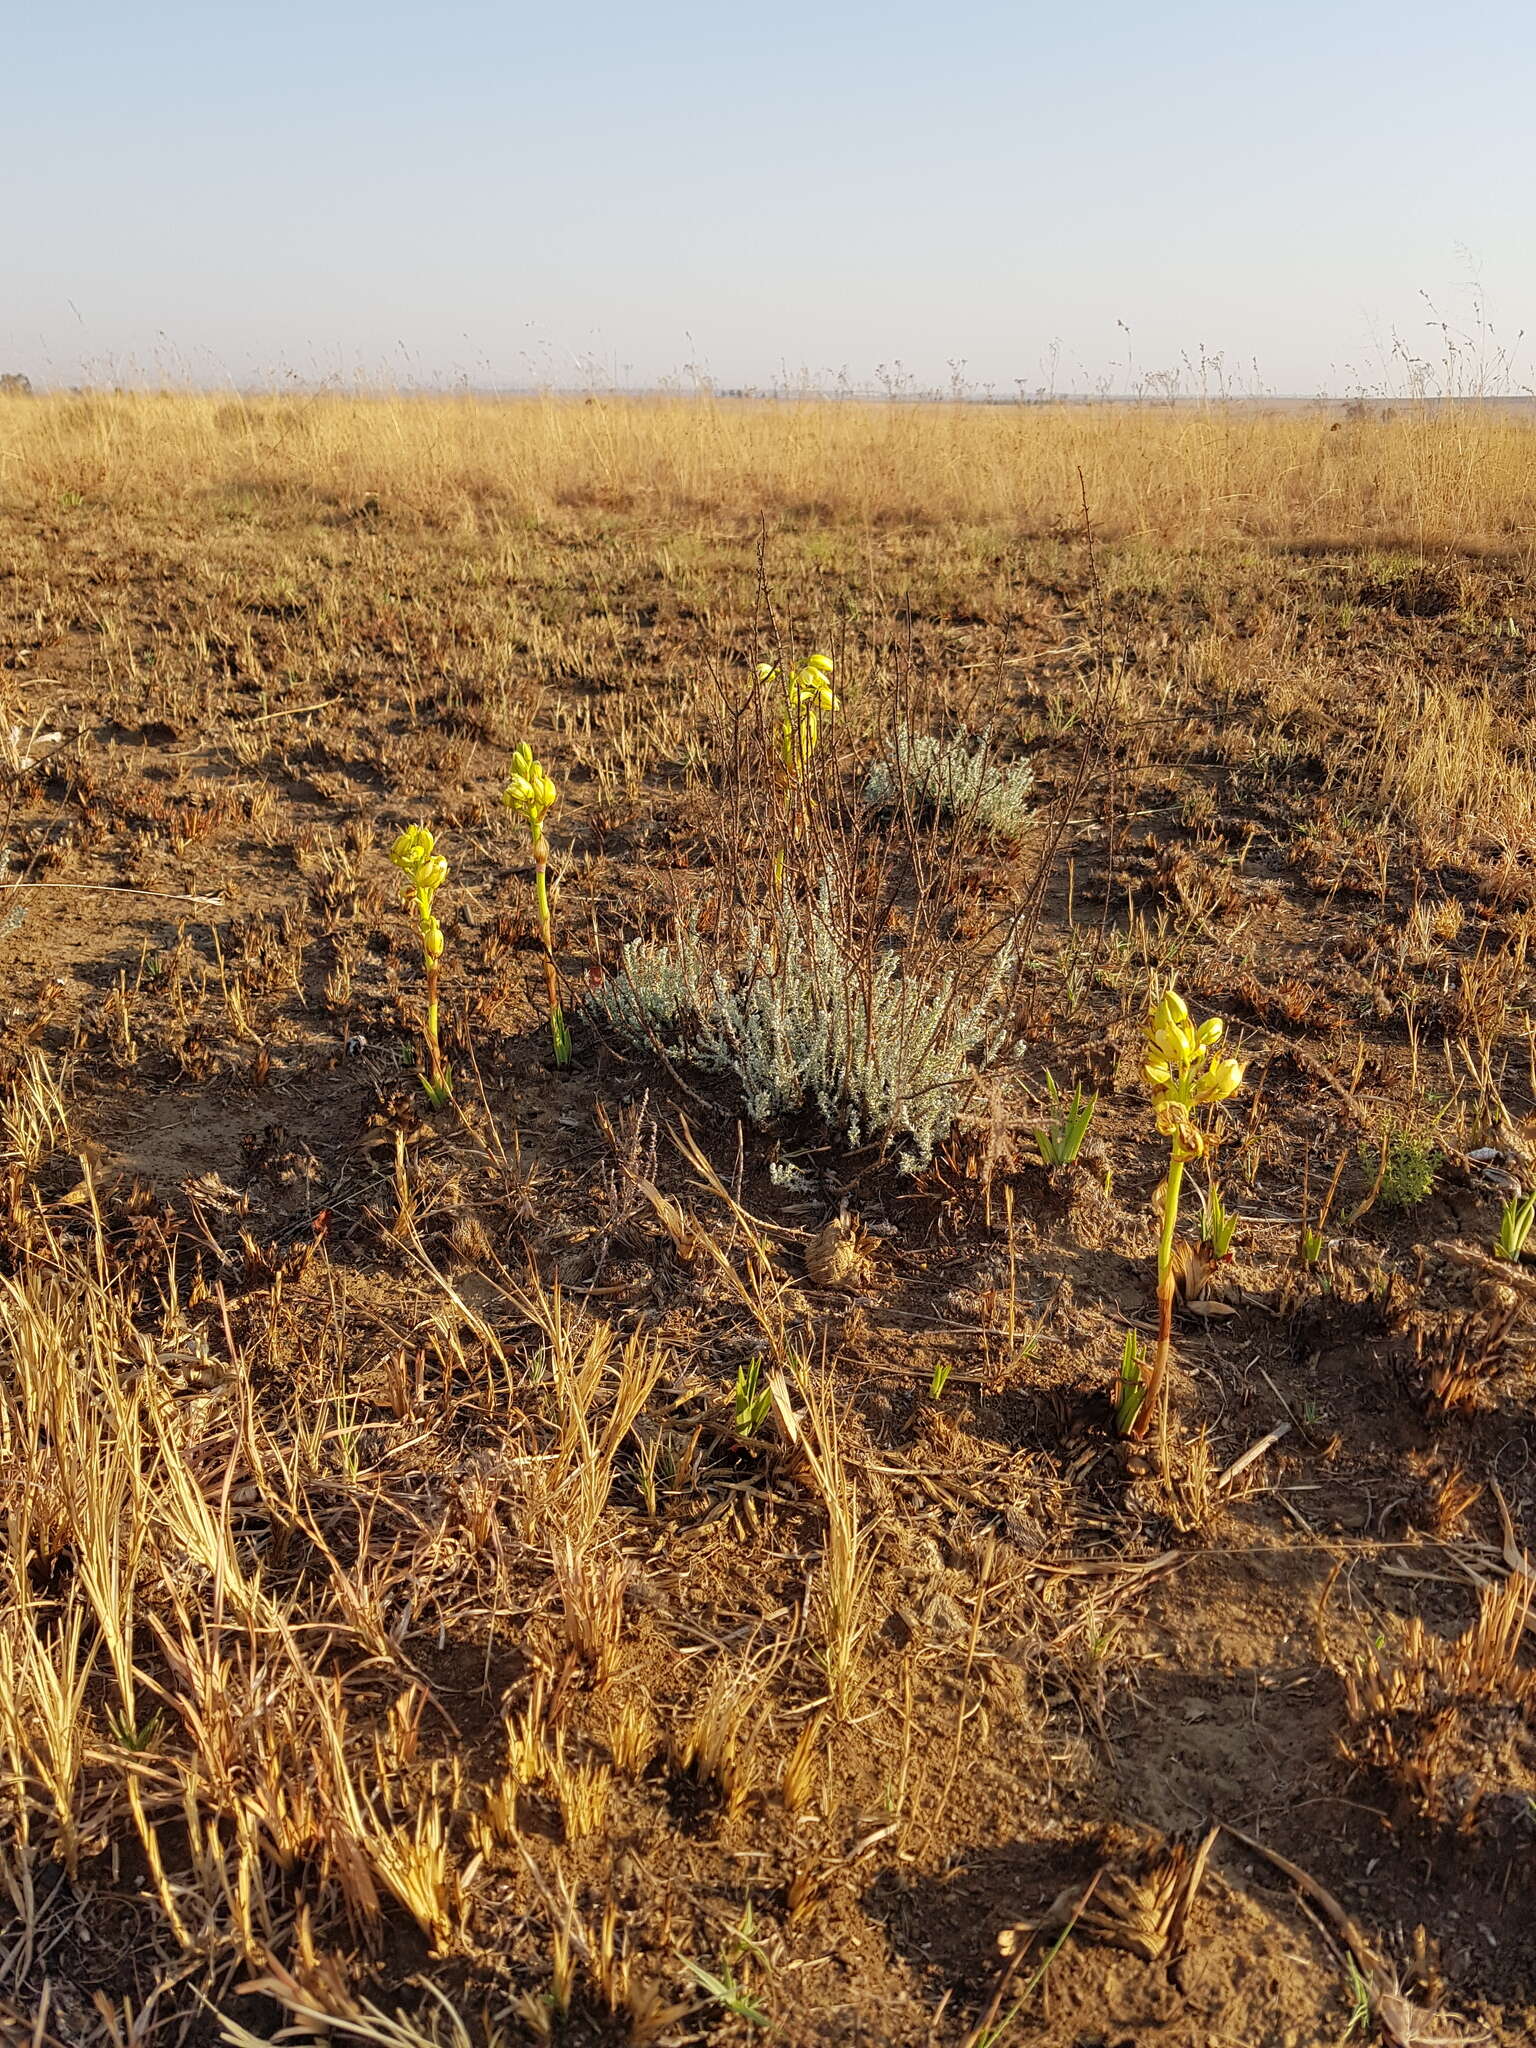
(1182, 1074)
(1221, 1079)
(529, 790)
(532, 794)
(425, 870)
(808, 698)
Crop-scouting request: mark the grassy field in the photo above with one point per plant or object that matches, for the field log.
(654, 1546)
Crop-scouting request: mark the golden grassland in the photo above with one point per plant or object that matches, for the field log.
(1432, 477)
(572, 1565)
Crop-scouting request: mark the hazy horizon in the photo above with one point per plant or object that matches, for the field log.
(1282, 203)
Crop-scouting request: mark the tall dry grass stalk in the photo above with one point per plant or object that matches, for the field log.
(1431, 476)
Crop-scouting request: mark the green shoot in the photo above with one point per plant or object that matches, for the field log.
(1062, 1138)
(1132, 1387)
(1218, 1226)
(940, 1380)
(1515, 1221)
(750, 1399)
(1360, 2001)
(724, 1989)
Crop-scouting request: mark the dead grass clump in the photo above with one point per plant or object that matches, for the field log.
(1461, 1359)
(1441, 1716)
(1448, 763)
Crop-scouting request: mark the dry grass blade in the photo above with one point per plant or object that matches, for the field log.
(350, 2021)
(842, 1583)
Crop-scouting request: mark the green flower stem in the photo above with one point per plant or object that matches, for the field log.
(438, 1089)
(1154, 1385)
(1170, 1222)
(559, 1030)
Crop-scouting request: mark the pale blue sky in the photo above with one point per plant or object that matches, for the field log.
(517, 195)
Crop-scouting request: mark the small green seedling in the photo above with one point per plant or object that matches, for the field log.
(1218, 1225)
(751, 1400)
(1515, 1220)
(1062, 1138)
(1406, 1167)
(724, 1989)
(1132, 1386)
(1360, 2001)
(940, 1380)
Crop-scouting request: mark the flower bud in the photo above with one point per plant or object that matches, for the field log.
(1223, 1079)
(1175, 1041)
(413, 845)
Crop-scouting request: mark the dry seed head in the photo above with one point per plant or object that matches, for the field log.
(839, 1254)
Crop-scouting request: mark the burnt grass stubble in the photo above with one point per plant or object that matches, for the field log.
(1064, 1658)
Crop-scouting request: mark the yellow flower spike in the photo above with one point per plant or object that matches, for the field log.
(1176, 1043)
(808, 697)
(425, 871)
(531, 793)
(1183, 1074)
(529, 790)
(412, 847)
